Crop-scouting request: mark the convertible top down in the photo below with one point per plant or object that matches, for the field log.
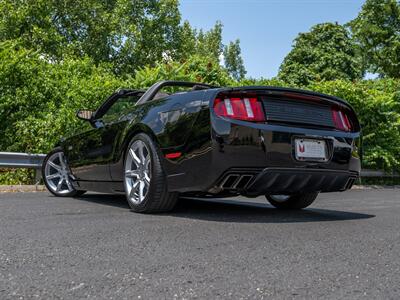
(183, 138)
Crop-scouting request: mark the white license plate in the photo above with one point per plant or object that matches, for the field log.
(310, 149)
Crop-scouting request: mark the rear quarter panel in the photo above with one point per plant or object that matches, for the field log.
(169, 121)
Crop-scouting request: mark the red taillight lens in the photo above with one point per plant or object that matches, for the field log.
(173, 155)
(341, 120)
(246, 109)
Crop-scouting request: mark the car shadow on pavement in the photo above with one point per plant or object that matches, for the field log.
(105, 199)
(228, 210)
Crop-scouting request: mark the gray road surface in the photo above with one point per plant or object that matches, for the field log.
(347, 245)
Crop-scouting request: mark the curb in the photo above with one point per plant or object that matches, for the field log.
(21, 188)
(375, 187)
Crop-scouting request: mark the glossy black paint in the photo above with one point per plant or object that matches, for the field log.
(210, 145)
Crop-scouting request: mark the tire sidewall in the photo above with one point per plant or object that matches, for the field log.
(295, 202)
(155, 170)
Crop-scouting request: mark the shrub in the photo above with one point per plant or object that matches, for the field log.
(377, 104)
(39, 99)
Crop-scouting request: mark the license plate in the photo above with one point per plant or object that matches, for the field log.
(310, 149)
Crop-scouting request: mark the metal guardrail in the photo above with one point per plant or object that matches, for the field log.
(14, 160)
(21, 160)
(378, 174)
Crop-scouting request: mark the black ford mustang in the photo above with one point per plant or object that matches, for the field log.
(182, 138)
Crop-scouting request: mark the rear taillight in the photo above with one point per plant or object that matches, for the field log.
(246, 109)
(341, 120)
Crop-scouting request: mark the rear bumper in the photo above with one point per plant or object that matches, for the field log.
(286, 181)
(267, 153)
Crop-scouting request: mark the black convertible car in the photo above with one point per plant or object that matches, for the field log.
(183, 138)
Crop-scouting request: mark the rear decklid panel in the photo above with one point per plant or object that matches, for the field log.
(294, 107)
(297, 112)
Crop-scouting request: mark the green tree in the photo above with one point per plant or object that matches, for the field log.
(377, 32)
(187, 41)
(125, 33)
(149, 32)
(209, 44)
(325, 53)
(233, 60)
(199, 42)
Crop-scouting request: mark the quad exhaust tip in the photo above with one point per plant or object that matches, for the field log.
(236, 181)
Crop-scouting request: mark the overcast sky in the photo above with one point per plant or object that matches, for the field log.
(266, 28)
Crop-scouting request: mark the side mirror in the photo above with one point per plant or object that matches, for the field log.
(85, 114)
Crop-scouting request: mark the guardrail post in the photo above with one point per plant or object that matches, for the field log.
(38, 177)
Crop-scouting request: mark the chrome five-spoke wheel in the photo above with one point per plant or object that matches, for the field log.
(57, 175)
(137, 172)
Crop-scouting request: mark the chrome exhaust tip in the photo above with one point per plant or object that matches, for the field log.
(236, 181)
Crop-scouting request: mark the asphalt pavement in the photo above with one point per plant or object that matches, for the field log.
(346, 246)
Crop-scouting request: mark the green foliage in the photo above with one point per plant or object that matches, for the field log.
(324, 53)
(17, 176)
(202, 43)
(187, 41)
(125, 33)
(377, 103)
(195, 69)
(233, 60)
(209, 45)
(261, 82)
(377, 32)
(39, 98)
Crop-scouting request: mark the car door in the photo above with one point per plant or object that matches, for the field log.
(90, 153)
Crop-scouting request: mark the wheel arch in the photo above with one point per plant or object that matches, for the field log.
(133, 131)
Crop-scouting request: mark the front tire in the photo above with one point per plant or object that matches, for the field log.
(144, 179)
(295, 202)
(57, 175)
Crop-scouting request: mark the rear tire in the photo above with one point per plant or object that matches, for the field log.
(57, 175)
(144, 179)
(294, 202)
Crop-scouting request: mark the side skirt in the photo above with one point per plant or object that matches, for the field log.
(114, 187)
